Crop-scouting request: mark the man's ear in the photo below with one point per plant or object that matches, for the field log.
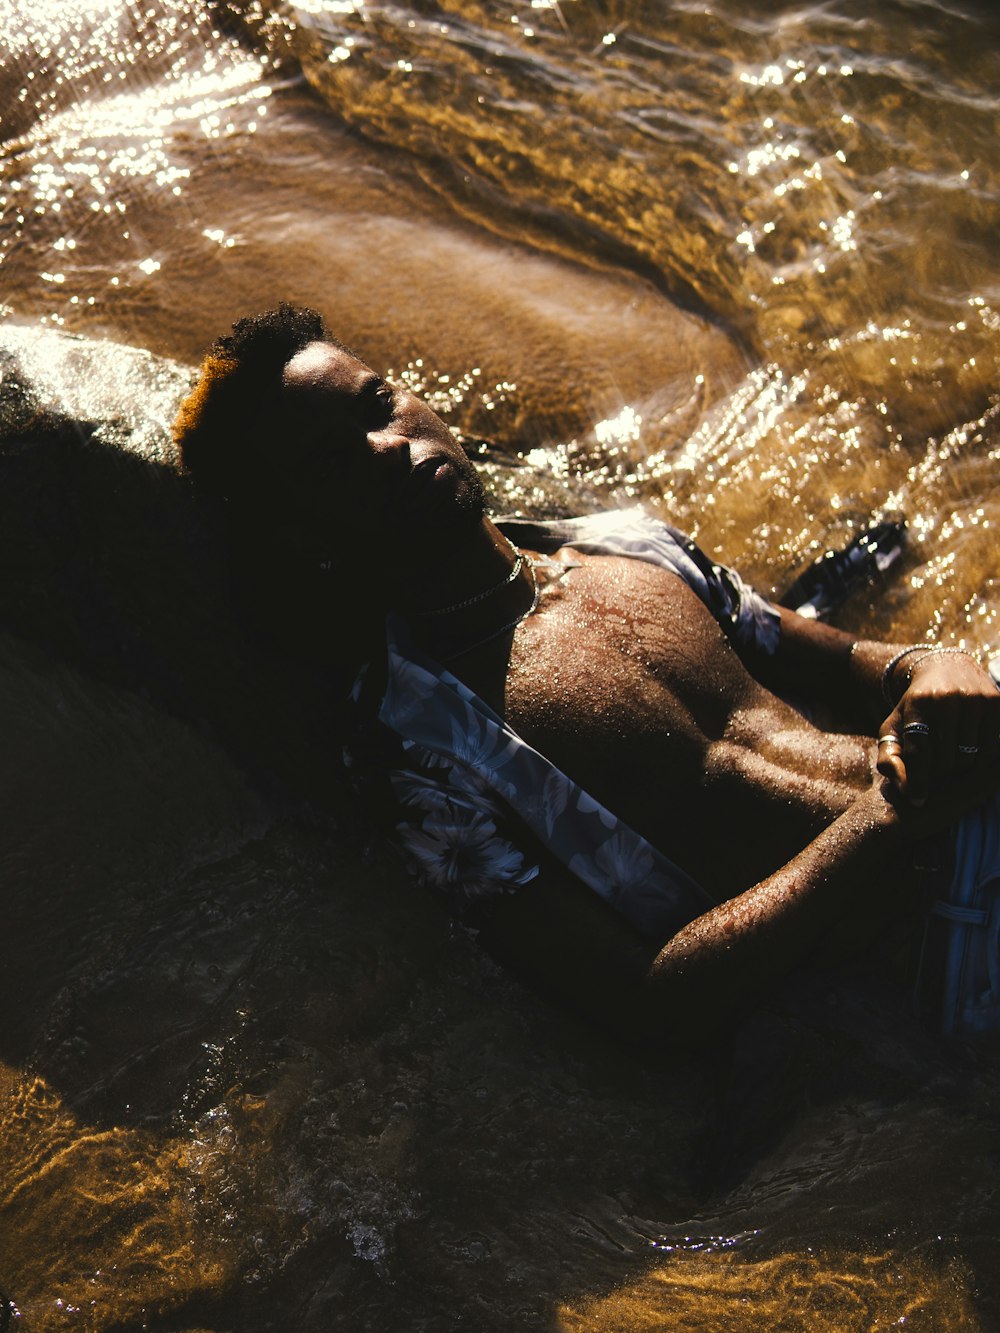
(262, 539)
(291, 540)
(301, 596)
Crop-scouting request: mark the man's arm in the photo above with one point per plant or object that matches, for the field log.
(941, 705)
(844, 877)
(572, 944)
(565, 939)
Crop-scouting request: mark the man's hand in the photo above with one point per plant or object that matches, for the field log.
(945, 728)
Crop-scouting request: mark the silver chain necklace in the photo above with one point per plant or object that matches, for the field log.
(511, 624)
(480, 596)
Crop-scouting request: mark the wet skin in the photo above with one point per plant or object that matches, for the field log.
(656, 716)
(624, 680)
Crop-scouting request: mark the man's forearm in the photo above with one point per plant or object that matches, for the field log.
(865, 675)
(877, 673)
(729, 953)
(830, 664)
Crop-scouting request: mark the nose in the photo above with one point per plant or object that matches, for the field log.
(389, 443)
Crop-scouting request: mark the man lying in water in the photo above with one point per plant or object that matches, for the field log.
(583, 735)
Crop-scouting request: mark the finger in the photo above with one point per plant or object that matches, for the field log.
(916, 739)
(944, 739)
(989, 730)
(889, 759)
(968, 746)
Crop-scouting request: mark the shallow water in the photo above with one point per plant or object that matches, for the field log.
(737, 261)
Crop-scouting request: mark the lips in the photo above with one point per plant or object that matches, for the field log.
(425, 474)
(428, 467)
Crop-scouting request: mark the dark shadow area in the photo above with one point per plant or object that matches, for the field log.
(128, 669)
(113, 566)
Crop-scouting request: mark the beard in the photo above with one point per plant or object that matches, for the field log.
(470, 497)
(455, 514)
(433, 531)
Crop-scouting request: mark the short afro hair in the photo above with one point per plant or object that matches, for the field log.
(228, 431)
(225, 426)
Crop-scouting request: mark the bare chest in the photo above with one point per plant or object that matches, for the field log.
(624, 664)
(625, 681)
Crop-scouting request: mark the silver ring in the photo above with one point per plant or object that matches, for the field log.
(890, 738)
(916, 729)
(968, 749)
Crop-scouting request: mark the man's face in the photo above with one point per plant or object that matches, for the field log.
(370, 458)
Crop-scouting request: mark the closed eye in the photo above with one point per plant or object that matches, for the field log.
(376, 400)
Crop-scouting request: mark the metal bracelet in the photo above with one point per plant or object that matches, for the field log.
(925, 650)
(938, 650)
(890, 667)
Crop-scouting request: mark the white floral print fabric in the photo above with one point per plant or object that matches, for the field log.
(472, 795)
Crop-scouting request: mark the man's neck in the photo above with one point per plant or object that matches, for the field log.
(475, 568)
(474, 600)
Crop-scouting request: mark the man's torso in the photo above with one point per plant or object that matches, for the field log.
(625, 681)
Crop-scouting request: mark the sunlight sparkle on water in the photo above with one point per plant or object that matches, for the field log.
(448, 395)
(622, 429)
(842, 231)
(770, 74)
(759, 158)
(86, 154)
(42, 23)
(217, 235)
(92, 148)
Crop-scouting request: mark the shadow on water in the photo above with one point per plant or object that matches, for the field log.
(250, 1080)
(118, 594)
